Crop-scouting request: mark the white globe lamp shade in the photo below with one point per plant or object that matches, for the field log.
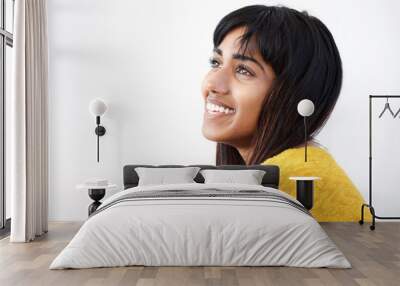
(305, 107)
(97, 107)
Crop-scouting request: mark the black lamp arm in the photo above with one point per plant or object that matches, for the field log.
(100, 131)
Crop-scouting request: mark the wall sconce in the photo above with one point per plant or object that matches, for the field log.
(97, 107)
(305, 108)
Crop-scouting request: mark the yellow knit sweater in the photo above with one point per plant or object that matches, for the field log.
(335, 196)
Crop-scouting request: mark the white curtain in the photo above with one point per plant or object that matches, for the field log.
(28, 120)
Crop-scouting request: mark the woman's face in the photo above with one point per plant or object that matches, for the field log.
(233, 91)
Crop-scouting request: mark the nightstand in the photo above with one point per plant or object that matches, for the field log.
(96, 193)
(305, 190)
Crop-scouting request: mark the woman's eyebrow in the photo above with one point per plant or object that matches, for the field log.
(247, 58)
(241, 57)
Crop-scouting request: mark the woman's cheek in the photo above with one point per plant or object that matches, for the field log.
(246, 120)
(251, 108)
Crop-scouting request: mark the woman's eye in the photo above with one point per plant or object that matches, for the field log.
(213, 62)
(243, 71)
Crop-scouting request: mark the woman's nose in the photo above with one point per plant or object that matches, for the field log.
(218, 82)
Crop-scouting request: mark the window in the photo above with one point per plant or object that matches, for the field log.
(6, 44)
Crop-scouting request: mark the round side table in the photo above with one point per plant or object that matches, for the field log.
(96, 193)
(305, 190)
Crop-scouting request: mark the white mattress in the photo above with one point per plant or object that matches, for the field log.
(200, 231)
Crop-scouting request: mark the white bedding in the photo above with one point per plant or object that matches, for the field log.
(200, 231)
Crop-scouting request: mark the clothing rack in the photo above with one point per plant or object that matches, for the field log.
(370, 205)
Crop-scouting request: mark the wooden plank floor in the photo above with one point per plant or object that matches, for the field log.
(375, 257)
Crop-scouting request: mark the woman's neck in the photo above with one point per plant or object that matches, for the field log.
(245, 152)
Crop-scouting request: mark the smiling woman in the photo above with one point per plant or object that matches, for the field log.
(265, 60)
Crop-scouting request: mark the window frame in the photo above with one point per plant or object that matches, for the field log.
(6, 39)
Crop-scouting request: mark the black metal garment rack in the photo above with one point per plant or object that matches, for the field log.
(370, 205)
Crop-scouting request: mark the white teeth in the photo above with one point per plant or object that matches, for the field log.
(216, 108)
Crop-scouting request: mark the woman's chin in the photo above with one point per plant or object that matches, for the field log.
(213, 134)
(216, 126)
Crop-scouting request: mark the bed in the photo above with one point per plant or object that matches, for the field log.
(201, 224)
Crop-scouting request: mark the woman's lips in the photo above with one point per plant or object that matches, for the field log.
(218, 102)
(213, 114)
(216, 114)
(215, 108)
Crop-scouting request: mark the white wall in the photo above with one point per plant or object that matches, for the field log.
(147, 59)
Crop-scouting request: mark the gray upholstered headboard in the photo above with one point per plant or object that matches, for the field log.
(270, 179)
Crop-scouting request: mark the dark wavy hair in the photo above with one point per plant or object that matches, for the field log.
(307, 64)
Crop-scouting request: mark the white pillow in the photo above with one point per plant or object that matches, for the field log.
(162, 176)
(249, 177)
